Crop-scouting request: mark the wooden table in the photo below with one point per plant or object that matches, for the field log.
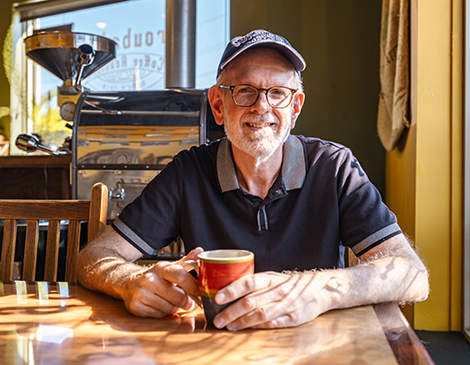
(58, 323)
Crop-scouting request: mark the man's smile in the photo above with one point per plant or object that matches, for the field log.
(258, 125)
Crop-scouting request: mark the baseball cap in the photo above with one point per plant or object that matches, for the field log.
(261, 38)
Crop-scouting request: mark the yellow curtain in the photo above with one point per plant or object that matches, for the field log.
(393, 115)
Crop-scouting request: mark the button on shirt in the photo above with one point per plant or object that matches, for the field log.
(321, 200)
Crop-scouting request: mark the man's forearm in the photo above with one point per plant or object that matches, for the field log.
(101, 269)
(389, 279)
(390, 272)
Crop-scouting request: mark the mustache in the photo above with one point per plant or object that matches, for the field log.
(259, 118)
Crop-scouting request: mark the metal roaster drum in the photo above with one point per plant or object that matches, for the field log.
(124, 139)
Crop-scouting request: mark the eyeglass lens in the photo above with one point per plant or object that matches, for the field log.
(278, 96)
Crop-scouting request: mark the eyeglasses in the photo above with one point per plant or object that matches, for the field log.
(246, 95)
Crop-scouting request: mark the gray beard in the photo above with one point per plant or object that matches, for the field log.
(255, 148)
(248, 147)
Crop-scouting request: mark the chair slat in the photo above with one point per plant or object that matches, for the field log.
(8, 250)
(73, 246)
(30, 250)
(52, 251)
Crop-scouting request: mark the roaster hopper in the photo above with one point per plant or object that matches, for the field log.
(72, 57)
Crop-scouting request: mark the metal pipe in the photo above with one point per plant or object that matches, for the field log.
(84, 56)
(31, 143)
(180, 44)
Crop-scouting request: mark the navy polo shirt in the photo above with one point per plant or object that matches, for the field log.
(321, 200)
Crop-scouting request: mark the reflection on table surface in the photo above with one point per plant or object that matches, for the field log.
(58, 323)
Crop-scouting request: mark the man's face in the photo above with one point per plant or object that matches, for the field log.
(259, 130)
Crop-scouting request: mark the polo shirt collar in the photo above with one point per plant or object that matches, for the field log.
(293, 170)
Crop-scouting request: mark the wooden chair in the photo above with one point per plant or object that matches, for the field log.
(75, 211)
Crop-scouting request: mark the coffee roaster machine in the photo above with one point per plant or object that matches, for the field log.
(122, 139)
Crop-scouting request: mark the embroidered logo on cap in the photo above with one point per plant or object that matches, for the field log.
(257, 36)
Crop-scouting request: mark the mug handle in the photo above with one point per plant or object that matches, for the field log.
(188, 266)
(192, 265)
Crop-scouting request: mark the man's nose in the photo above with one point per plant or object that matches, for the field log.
(262, 102)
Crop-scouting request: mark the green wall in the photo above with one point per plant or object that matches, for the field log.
(339, 40)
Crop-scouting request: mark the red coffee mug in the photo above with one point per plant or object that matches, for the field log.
(217, 269)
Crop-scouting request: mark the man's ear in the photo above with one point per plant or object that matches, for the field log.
(215, 99)
(297, 105)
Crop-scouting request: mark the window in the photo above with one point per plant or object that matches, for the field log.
(137, 27)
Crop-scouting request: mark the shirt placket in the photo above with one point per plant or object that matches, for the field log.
(262, 219)
(262, 215)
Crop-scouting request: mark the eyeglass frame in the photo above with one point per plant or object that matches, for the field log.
(259, 90)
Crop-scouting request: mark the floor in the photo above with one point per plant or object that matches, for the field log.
(446, 348)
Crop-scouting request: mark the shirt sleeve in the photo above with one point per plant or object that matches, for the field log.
(150, 222)
(365, 220)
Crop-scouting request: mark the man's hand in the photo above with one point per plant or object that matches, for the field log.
(161, 290)
(105, 265)
(268, 300)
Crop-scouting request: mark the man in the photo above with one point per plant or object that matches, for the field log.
(294, 201)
